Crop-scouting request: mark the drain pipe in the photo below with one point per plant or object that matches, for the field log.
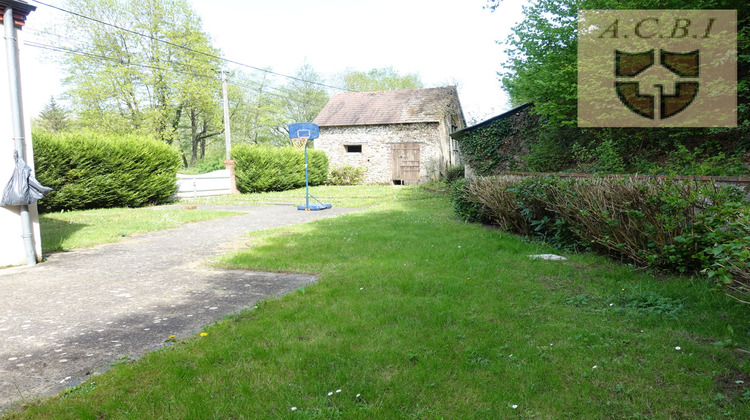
(14, 78)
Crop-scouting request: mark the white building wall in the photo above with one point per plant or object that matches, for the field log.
(11, 242)
(376, 152)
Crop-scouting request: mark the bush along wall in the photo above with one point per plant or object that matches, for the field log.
(265, 168)
(684, 226)
(88, 171)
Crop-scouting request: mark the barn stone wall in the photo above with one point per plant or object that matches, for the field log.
(375, 141)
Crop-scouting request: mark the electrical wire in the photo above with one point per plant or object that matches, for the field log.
(117, 61)
(187, 48)
(112, 60)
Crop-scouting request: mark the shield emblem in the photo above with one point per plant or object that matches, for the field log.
(630, 65)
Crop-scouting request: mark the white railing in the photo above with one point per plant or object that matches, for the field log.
(204, 185)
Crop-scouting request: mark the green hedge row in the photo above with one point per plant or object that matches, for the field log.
(88, 171)
(683, 226)
(266, 168)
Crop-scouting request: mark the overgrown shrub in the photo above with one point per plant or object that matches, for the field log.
(466, 206)
(89, 171)
(727, 261)
(266, 168)
(682, 226)
(499, 203)
(347, 175)
(453, 173)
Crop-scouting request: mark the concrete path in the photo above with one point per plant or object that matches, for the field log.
(81, 311)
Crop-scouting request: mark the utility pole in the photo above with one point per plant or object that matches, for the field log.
(229, 163)
(227, 132)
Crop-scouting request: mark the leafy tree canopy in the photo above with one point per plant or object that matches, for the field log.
(542, 51)
(381, 79)
(542, 68)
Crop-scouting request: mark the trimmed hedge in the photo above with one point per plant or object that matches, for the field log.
(88, 171)
(266, 168)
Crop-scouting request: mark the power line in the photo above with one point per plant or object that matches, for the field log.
(187, 48)
(111, 59)
(70, 49)
(120, 62)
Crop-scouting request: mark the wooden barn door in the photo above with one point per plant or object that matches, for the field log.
(405, 163)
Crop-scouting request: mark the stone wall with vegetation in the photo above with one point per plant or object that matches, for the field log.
(376, 143)
(500, 145)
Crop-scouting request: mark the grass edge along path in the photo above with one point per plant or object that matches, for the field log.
(419, 315)
(63, 231)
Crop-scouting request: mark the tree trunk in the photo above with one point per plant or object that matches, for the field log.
(193, 136)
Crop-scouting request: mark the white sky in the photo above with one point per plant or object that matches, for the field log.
(444, 41)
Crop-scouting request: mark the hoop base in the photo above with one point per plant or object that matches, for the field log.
(314, 207)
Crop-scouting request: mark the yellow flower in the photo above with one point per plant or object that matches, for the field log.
(203, 334)
(171, 336)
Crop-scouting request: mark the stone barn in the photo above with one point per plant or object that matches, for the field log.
(401, 137)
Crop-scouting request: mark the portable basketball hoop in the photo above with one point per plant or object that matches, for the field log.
(300, 134)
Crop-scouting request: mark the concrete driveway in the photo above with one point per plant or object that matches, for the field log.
(77, 313)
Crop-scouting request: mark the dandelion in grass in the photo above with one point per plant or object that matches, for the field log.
(171, 336)
(204, 334)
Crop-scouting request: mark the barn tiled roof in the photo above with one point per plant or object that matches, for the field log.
(389, 107)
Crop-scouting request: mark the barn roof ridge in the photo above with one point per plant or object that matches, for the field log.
(388, 107)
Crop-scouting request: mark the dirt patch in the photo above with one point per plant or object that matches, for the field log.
(735, 385)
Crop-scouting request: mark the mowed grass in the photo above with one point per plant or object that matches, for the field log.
(418, 315)
(339, 196)
(85, 228)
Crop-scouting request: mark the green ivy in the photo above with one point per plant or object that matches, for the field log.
(490, 149)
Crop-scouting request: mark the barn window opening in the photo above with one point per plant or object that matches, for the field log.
(353, 148)
(398, 182)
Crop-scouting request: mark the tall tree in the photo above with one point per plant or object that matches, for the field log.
(258, 111)
(53, 117)
(304, 96)
(149, 68)
(542, 68)
(542, 51)
(385, 78)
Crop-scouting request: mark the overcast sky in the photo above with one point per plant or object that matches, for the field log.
(444, 41)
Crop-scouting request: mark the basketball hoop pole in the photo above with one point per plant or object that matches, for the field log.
(307, 179)
(299, 133)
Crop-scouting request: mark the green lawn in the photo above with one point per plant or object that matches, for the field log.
(352, 196)
(418, 315)
(84, 228)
